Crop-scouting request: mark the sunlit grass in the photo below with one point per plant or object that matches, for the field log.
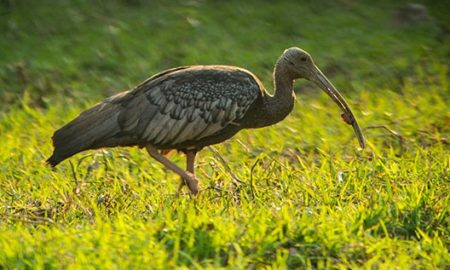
(298, 193)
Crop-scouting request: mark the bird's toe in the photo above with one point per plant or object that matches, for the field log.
(191, 182)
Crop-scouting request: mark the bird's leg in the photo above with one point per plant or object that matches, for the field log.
(190, 161)
(187, 176)
(166, 153)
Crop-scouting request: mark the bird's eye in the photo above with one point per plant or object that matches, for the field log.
(303, 59)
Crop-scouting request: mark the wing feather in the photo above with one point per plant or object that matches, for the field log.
(191, 130)
(189, 104)
(178, 125)
(167, 129)
(154, 127)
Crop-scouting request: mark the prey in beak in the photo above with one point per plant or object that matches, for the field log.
(301, 65)
(347, 115)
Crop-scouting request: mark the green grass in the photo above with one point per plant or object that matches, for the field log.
(299, 194)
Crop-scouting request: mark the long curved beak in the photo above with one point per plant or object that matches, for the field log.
(322, 81)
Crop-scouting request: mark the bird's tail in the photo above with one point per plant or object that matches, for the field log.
(90, 130)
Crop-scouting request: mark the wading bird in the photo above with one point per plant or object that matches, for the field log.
(188, 108)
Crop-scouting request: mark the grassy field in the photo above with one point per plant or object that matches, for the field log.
(299, 194)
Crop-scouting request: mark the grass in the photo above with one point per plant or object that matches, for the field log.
(299, 194)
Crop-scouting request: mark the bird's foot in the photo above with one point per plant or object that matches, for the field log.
(191, 182)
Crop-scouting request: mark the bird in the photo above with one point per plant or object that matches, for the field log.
(188, 108)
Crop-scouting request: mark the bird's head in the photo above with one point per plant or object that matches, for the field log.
(297, 64)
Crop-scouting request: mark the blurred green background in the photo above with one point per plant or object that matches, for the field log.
(96, 48)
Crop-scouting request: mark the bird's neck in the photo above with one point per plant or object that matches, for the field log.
(271, 109)
(281, 103)
(283, 85)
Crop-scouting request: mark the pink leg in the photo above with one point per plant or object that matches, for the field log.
(190, 162)
(186, 175)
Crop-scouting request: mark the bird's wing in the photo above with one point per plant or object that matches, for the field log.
(186, 104)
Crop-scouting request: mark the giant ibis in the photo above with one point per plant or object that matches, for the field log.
(190, 107)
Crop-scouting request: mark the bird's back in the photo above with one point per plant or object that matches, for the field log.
(185, 107)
